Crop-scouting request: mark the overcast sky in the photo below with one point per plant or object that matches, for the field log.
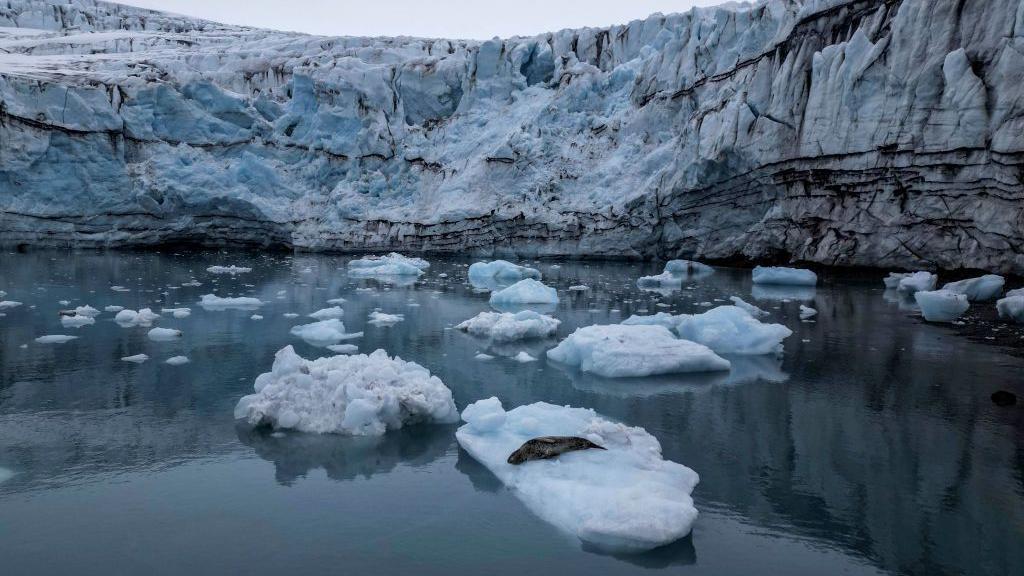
(478, 19)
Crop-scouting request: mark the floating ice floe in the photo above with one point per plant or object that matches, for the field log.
(76, 321)
(256, 317)
(327, 313)
(343, 348)
(579, 288)
(507, 327)
(113, 308)
(626, 498)
(482, 356)
(620, 351)
(941, 305)
(750, 308)
(732, 330)
(163, 334)
(322, 333)
(142, 317)
(228, 270)
(978, 289)
(392, 264)
(806, 312)
(892, 281)
(177, 360)
(1012, 306)
(177, 312)
(523, 357)
(214, 302)
(664, 280)
(378, 318)
(361, 395)
(784, 276)
(136, 359)
(528, 291)
(86, 311)
(336, 301)
(688, 268)
(500, 270)
(7, 304)
(55, 339)
(917, 282)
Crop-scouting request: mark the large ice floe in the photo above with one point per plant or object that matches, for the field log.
(626, 498)
(360, 395)
(622, 351)
(487, 273)
(978, 289)
(528, 291)
(732, 330)
(941, 305)
(784, 276)
(1012, 306)
(392, 264)
(922, 281)
(508, 327)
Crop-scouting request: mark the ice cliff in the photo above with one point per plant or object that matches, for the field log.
(857, 132)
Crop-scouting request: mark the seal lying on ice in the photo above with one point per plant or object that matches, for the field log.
(549, 447)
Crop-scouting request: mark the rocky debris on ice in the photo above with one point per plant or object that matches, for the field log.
(784, 276)
(136, 359)
(528, 291)
(143, 317)
(917, 282)
(360, 395)
(55, 339)
(321, 333)
(328, 313)
(392, 264)
(487, 273)
(941, 305)
(978, 289)
(508, 327)
(177, 360)
(750, 308)
(622, 350)
(623, 499)
(1011, 306)
(213, 302)
(232, 270)
(378, 318)
(806, 312)
(163, 334)
(732, 330)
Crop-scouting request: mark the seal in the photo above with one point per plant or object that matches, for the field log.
(546, 447)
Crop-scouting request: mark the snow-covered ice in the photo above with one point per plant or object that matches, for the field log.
(362, 395)
(55, 339)
(784, 276)
(625, 498)
(214, 302)
(941, 305)
(528, 291)
(622, 350)
(978, 289)
(321, 333)
(917, 282)
(507, 327)
(732, 330)
(163, 334)
(670, 321)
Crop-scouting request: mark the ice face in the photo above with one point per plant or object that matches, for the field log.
(978, 289)
(625, 498)
(360, 395)
(508, 327)
(941, 305)
(620, 351)
(784, 276)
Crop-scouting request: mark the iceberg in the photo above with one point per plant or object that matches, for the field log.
(978, 289)
(343, 348)
(142, 317)
(508, 327)
(484, 273)
(378, 318)
(806, 312)
(392, 264)
(523, 357)
(1012, 306)
(163, 334)
(624, 499)
(664, 280)
(177, 312)
(213, 302)
(359, 395)
(528, 291)
(784, 276)
(688, 268)
(322, 333)
(892, 281)
(917, 282)
(732, 330)
(621, 351)
(941, 305)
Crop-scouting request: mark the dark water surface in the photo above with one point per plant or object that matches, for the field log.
(870, 447)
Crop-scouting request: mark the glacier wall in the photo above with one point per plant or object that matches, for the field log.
(840, 132)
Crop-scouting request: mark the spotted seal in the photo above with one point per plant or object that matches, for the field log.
(546, 447)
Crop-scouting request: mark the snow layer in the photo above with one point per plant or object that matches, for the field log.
(978, 289)
(528, 291)
(843, 132)
(508, 327)
(626, 498)
(732, 330)
(941, 305)
(360, 395)
(621, 350)
(784, 276)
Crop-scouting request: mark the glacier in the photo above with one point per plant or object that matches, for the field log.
(881, 133)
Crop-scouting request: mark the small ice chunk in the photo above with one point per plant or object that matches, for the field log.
(392, 264)
(256, 317)
(163, 334)
(528, 291)
(732, 330)
(327, 313)
(362, 395)
(978, 289)
(507, 327)
(228, 270)
(623, 499)
(136, 359)
(482, 356)
(892, 281)
(941, 305)
(917, 282)
(214, 302)
(336, 301)
(750, 308)
(55, 339)
(523, 357)
(321, 333)
(579, 288)
(7, 304)
(76, 321)
(343, 348)
(619, 350)
(500, 270)
(378, 318)
(177, 312)
(113, 308)
(785, 276)
(177, 360)
(87, 311)
(664, 280)
(1012, 306)
(807, 312)
(143, 317)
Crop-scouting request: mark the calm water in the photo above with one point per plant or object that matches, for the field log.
(871, 447)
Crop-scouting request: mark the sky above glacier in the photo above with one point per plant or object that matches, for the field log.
(430, 18)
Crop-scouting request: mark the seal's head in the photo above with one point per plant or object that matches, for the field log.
(518, 457)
